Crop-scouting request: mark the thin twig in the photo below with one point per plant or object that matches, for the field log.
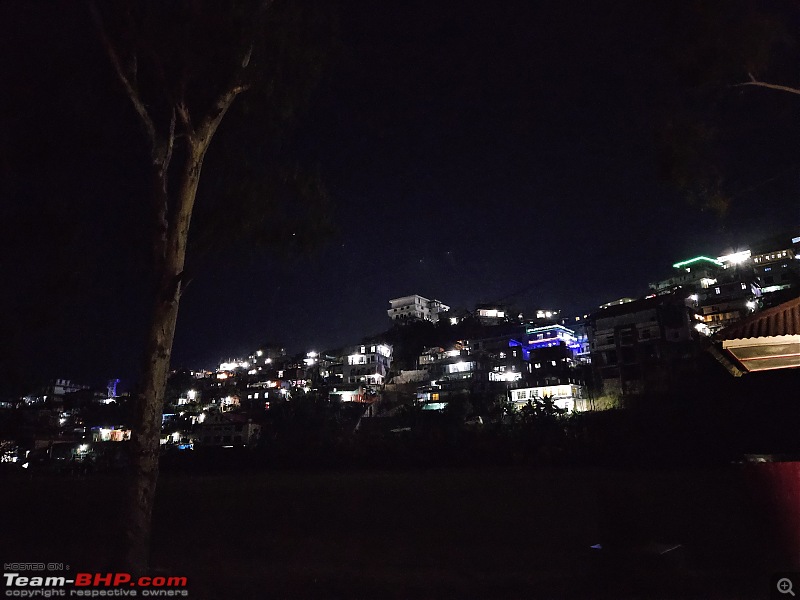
(773, 86)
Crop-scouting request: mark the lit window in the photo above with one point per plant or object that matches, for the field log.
(716, 290)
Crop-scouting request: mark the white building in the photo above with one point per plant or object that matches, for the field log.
(368, 363)
(565, 396)
(416, 307)
(491, 314)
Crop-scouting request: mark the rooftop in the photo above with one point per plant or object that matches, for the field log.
(783, 319)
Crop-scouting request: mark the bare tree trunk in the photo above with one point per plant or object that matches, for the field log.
(139, 501)
(147, 425)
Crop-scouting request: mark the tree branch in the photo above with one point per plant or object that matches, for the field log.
(773, 86)
(161, 193)
(237, 83)
(209, 125)
(130, 89)
(170, 141)
(185, 117)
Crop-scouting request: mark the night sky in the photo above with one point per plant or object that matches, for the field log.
(470, 149)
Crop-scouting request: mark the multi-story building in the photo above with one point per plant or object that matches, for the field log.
(777, 269)
(416, 307)
(639, 346)
(544, 357)
(56, 391)
(546, 314)
(691, 275)
(727, 302)
(459, 369)
(266, 355)
(261, 394)
(229, 429)
(566, 396)
(452, 375)
(367, 363)
(552, 365)
(508, 365)
(550, 335)
(492, 314)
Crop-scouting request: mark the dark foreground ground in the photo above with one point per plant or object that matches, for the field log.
(455, 533)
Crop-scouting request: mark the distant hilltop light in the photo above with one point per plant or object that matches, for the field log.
(233, 365)
(735, 258)
(616, 302)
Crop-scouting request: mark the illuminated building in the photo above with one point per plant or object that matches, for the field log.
(461, 368)
(735, 259)
(777, 269)
(55, 392)
(360, 394)
(543, 356)
(367, 363)
(725, 303)
(493, 314)
(691, 275)
(549, 335)
(568, 396)
(231, 365)
(547, 314)
(111, 434)
(267, 354)
(415, 307)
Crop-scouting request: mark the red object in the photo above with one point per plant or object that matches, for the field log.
(776, 489)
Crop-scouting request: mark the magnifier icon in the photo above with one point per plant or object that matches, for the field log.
(785, 586)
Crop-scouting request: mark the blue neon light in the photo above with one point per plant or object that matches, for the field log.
(574, 345)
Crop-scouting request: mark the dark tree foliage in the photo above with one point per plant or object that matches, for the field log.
(731, 64)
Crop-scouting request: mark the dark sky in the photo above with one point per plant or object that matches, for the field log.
(470, 149)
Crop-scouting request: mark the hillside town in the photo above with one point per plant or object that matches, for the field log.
(742, 308)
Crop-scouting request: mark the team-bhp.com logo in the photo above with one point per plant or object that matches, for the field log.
(93, 585)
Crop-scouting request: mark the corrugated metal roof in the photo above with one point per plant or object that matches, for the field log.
(783, 319)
